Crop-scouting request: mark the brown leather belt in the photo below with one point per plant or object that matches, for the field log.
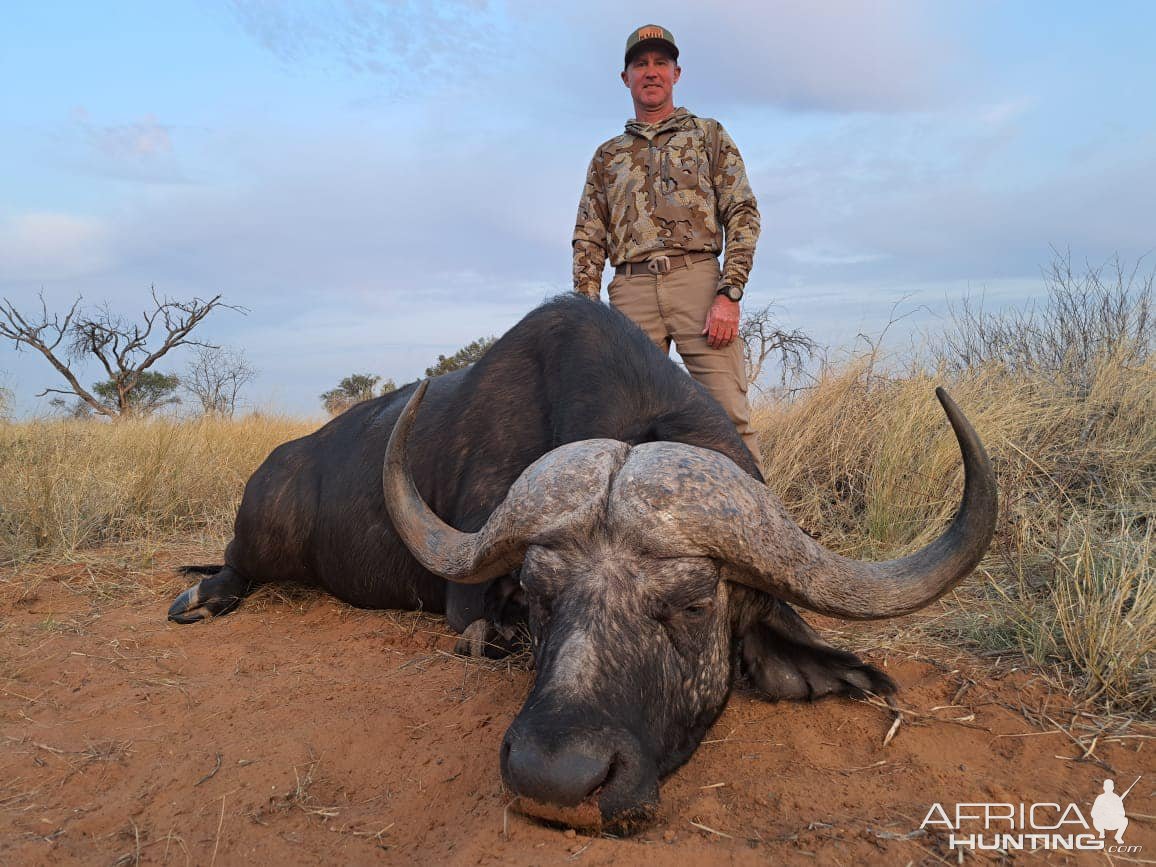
(663, 264)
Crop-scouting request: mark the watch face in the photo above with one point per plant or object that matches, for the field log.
(733, 293)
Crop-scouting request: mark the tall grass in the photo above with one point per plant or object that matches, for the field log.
(865, 460)
(868, 464)
(70, 484)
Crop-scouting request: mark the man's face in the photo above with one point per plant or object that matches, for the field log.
(651, 75)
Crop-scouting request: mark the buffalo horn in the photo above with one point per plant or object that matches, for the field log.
(831, 584)
(711, 507)
(562, 491)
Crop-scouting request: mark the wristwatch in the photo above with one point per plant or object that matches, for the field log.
(734, 293)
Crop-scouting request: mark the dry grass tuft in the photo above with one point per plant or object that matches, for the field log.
(67, 485)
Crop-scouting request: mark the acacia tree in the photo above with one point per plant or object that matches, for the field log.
(763, 338)
(464, 357)
(153, 390)
(215, 378)
(354, 389)
(126, 350)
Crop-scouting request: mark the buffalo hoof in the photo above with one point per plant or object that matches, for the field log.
(485, 640)
(210, 597)
(473, 640)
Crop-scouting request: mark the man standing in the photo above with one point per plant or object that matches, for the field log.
(657, 202)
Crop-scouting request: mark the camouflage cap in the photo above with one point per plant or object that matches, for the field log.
(646, 36)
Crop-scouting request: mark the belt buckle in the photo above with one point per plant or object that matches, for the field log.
(659, 264)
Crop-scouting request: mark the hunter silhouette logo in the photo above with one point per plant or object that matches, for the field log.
(1108, 811)
(1046, 825)
(650, 33)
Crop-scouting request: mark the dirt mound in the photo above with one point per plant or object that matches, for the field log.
(299, 730)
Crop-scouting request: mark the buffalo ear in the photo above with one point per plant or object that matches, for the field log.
(786, 659)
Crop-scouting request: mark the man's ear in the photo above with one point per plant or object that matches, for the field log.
(677, 74)
(624, 81)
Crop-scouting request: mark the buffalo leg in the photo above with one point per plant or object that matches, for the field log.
(210, 597)
(499, 618)
(465, 603)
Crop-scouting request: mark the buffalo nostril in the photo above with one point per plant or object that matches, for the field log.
(564, 777)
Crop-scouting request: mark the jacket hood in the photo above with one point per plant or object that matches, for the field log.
(681, 119)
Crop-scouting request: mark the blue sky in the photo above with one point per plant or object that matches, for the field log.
(380, 182)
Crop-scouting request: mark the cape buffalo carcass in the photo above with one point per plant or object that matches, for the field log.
(577, 481)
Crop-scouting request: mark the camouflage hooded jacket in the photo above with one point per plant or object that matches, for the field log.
(671, 187)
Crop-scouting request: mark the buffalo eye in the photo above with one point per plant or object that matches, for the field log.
(696, 613)
(686, 624)
(691, 613)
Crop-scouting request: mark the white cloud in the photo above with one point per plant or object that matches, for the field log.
(142, 139)
(1002, 114)
(52, 246)
(398, 41)
(139, 150)
(472, 221)
(838, 55)
(830, 254)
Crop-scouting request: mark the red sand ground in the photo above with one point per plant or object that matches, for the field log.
(299, 730)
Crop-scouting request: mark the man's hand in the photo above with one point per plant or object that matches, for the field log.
(722, 322)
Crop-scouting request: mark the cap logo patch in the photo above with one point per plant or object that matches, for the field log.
(650, 33)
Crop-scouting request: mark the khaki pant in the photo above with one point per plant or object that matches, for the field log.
(673, 307)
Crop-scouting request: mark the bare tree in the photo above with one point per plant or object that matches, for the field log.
(215, 378)
(76, 409)
(1098, 311)
(763, 338)
(126, 350)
